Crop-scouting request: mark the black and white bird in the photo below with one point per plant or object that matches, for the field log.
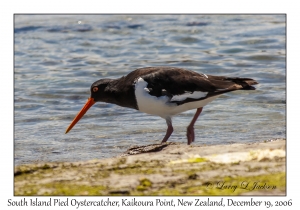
(165, 92)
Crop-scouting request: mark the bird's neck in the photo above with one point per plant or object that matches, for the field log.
(120, 92)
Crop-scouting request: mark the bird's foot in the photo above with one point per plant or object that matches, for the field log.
(190, 134)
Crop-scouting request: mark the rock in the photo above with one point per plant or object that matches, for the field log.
(164, 169)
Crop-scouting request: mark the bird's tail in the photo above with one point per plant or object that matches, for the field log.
(228, 84)
(243, 83)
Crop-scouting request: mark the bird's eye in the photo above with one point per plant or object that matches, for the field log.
(95, 89)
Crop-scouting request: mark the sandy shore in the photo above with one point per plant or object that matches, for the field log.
(177, 169)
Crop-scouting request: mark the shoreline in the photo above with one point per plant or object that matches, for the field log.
(173, 169)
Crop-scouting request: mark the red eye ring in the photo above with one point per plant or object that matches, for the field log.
(95, 89)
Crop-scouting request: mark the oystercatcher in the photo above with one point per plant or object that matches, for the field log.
(165, 92)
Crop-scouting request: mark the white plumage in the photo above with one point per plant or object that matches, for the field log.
(162, 106)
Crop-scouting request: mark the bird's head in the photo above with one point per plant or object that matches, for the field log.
(98, 90)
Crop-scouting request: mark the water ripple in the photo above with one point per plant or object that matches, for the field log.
(58, 57)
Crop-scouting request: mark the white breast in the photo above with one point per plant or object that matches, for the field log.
(161, 106)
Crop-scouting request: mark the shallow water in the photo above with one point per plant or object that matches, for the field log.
(58, 57)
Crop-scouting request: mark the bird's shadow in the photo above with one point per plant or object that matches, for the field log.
(135, 150)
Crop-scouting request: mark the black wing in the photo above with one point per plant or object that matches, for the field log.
(172, 81)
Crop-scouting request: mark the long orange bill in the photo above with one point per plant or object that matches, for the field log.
(84, 109)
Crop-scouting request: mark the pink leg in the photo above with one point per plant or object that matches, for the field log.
(190, 134)
(169, 130)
